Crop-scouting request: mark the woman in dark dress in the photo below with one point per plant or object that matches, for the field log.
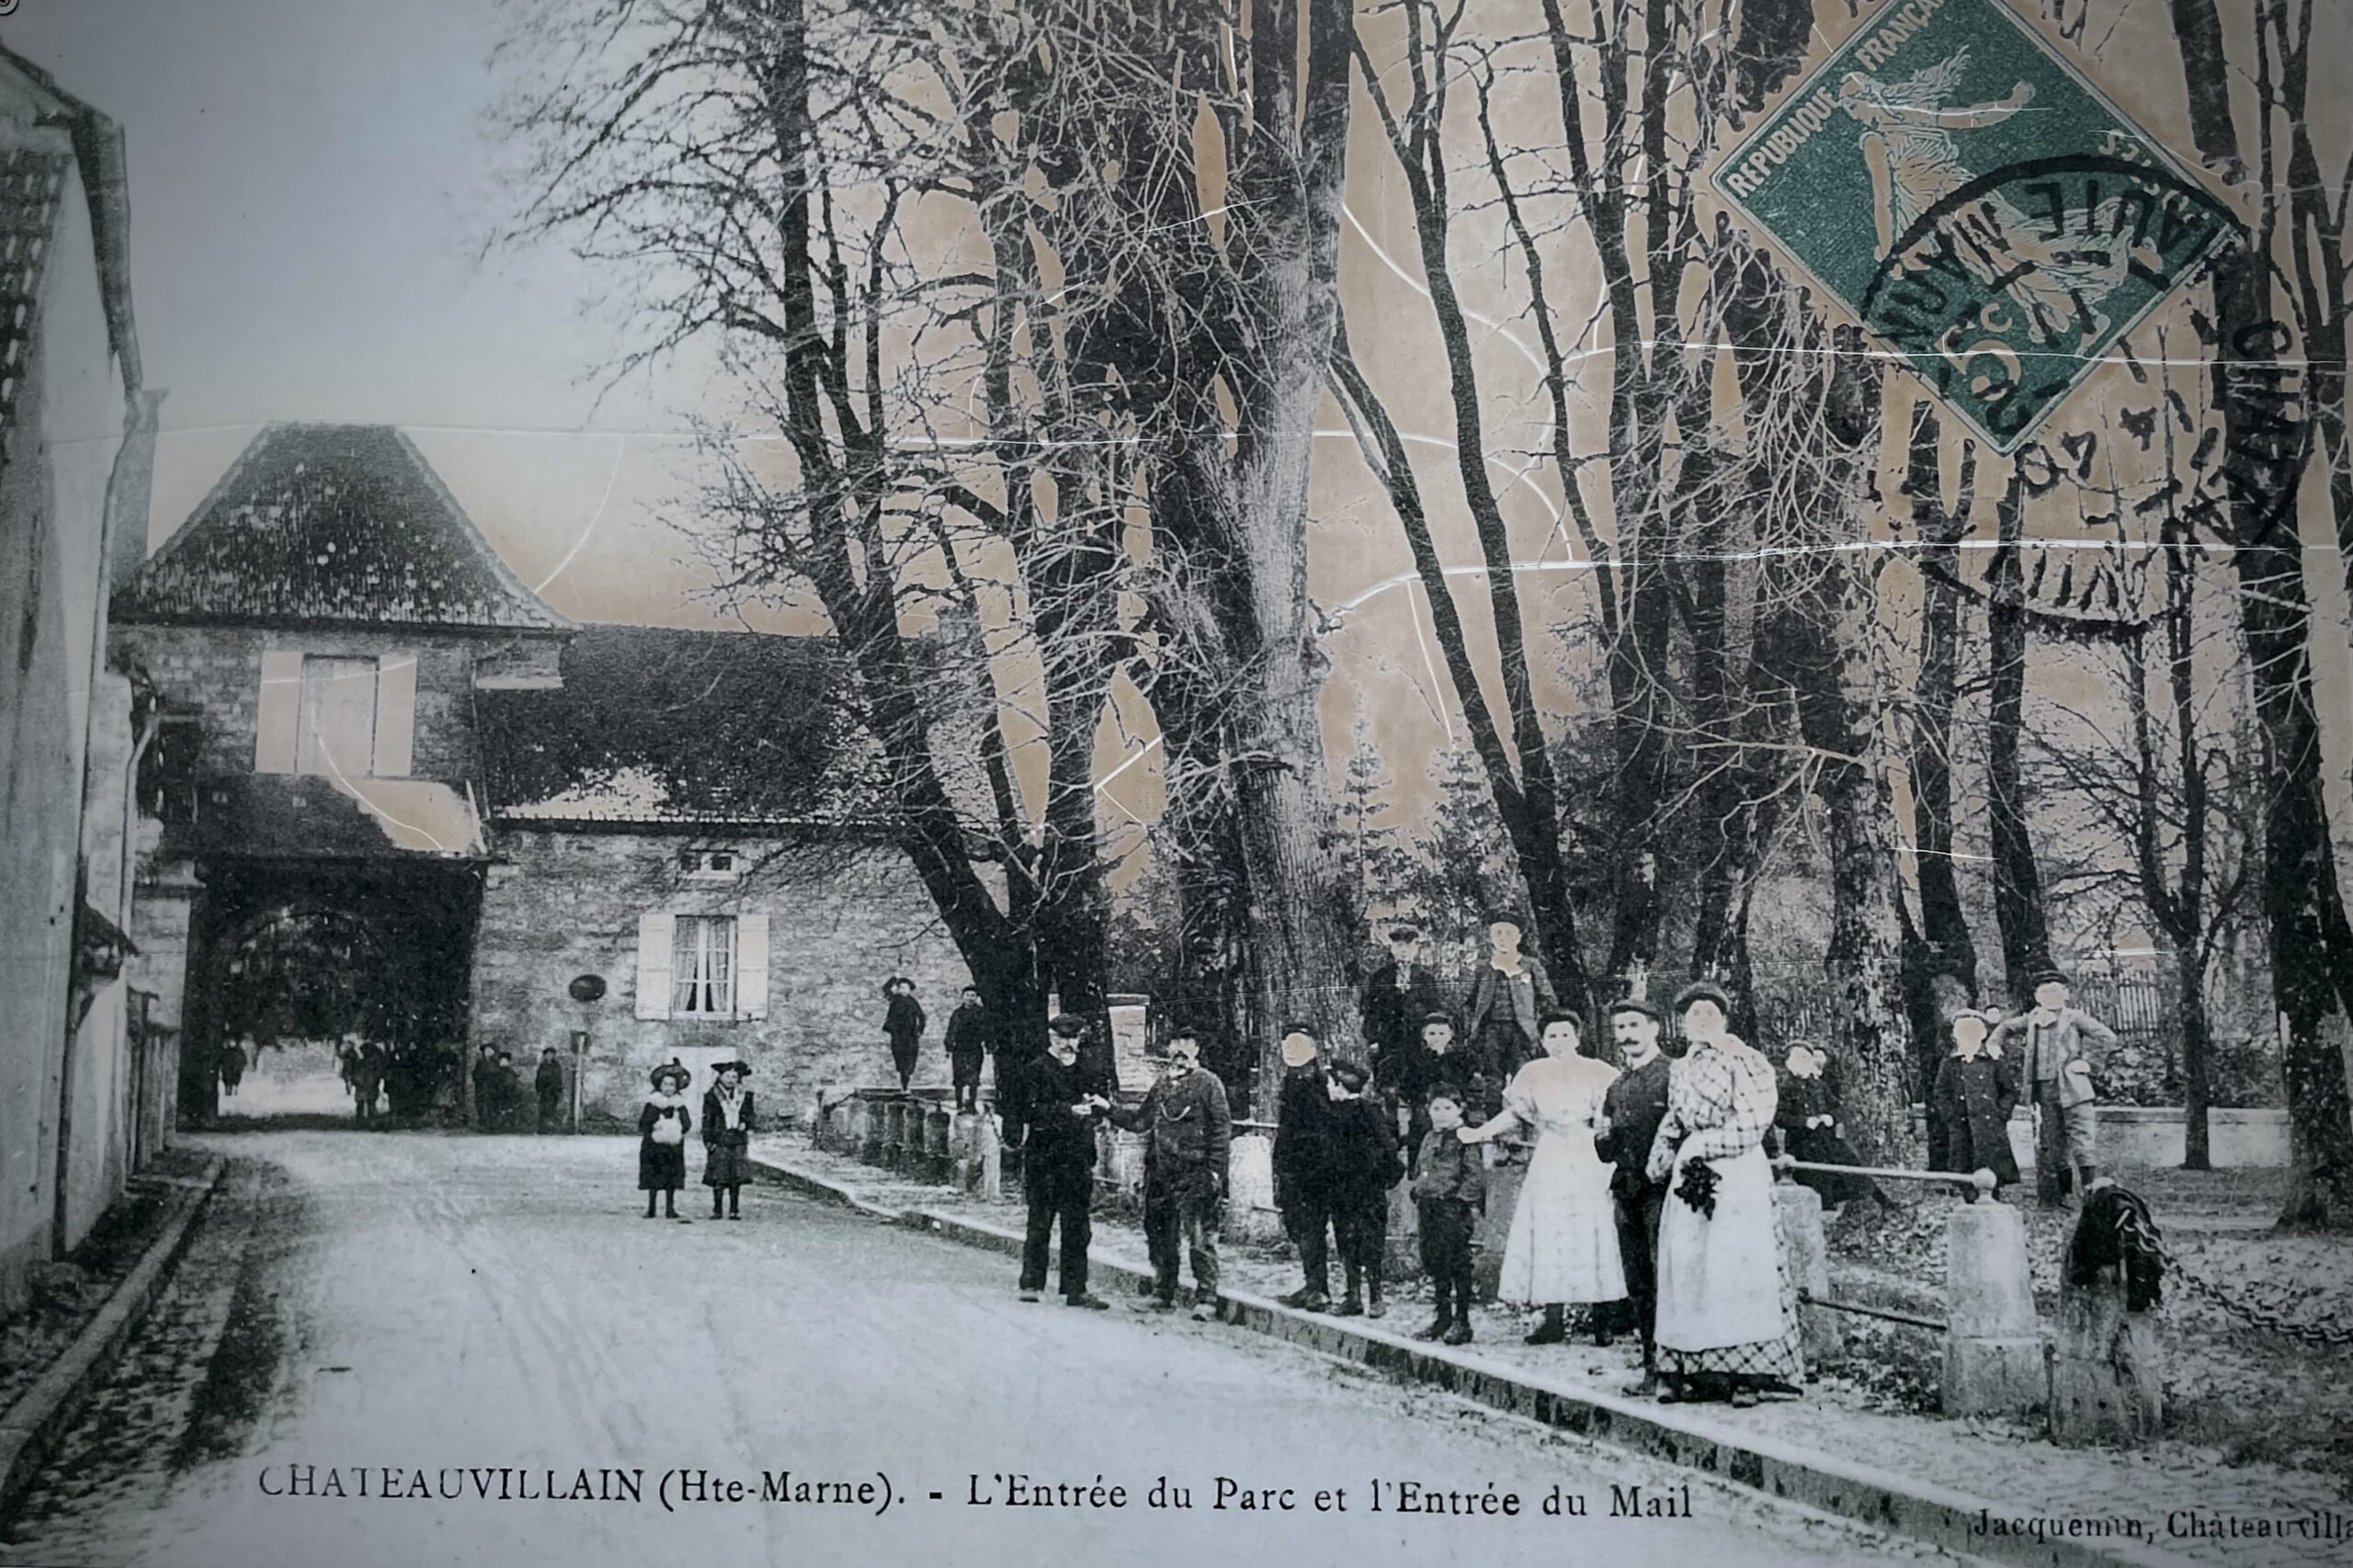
(1975, 1091)
(903, 1023)
(1807, 1117)
(662, 1129)
(727, 1128)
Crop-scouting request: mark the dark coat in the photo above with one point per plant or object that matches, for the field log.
(716, 1134)
(1393, 1013)
(1188, 1124)
(661, 1167)
(1795, 1100)
(1302, 1121)
(549, 1080)
(1043, 1120)
(1451, 1171)
(1972, 1098)
(969, 1031)
(1360, 1159)
(904, 1020)
(1635, 1105)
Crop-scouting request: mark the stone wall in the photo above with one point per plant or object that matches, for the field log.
(562, 903)
(215, 671)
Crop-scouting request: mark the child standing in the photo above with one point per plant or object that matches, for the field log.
(1976, 1090)
(1361, 1167)
(902, 1021)
(662, 1127)
(1448, 1193)
(727, 1130)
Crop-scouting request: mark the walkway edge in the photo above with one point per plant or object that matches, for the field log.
(1878, 1498)
(31, 1427)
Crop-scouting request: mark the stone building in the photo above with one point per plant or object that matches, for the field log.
(404, 797)
(80, 1081)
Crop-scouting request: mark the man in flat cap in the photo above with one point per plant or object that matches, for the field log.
(1397, 997)
(1631, 1109)
(1053, 1118)
(1188, 1134)
(2049, 1045)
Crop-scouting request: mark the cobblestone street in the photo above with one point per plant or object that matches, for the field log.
(443, 1305)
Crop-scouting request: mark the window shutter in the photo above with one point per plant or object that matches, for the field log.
(279, 713)
(395, 714)
(655, 934)
(751, 966)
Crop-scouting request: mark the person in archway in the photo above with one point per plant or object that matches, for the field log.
(663, 1123)
(547, 1084)
(902, 1021)
(233, 1067)
(727, 1128)
(1563, 1247)
(1508, 1001)
(368, 1079)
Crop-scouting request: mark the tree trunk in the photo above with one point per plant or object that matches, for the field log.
(2017, 877)
(2196, 1057)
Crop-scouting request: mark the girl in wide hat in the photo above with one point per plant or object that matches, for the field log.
(727, 1128)
(662, 1127)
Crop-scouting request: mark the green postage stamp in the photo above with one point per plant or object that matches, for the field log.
(1979, 205)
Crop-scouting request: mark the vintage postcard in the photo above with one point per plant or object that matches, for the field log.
(1342, 782)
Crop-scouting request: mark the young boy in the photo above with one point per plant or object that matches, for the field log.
(1303, 1116)
(1361, 1167)
(1448, 1193)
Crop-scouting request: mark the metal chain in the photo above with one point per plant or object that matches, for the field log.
(2334, 1336)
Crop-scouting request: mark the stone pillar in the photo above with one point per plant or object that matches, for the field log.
(2107, 1369)
(972, 1164)
(865, 1131)
(1797, 1213)
(1250, 1188)
(894, 1133)
(1994, 1347)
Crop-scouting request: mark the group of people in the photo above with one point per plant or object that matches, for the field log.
(500, 1103)
(730, 1117)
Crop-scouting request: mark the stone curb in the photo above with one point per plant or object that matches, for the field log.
(31, 1427)
(1878, 1498)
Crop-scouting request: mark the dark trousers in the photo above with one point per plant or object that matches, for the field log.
(1638, 1212)
(903, 1058)
(1361, 1230)
(1306, 1217)
(964, 1071)
(1057, 1190)
(1180, 1214)
(1447, 1225)
(551, 1113)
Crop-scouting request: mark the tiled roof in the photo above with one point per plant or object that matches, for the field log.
(663, 727)
(30, 183)
(332, 525)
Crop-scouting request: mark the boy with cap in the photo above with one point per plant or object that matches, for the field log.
(1360, 1166)
(1053, 1121)
(1448, 1193)
(1188, 1132)
(1396, 998)
(2049, 1045)
(1302, 1122)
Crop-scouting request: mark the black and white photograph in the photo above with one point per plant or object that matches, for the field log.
(1351, 783)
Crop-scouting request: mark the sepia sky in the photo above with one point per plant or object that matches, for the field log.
(313, 186)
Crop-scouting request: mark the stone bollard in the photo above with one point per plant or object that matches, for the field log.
(1494, 1225)
(939, 1124)
(1797, 1214)
(972, 1163)
(1993, 1362)
(865, 1131)
(2107, 1369)
(894, 1134)
(1250, 1190)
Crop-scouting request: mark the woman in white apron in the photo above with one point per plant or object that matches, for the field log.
(1727, 1315)
(1564, 1240)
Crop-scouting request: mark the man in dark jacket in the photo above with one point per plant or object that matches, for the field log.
(1188, 1133)
(968, 1041)
(1398, 996)
(547, 1082)
(1053, 1122)
(1360, 1166)
(1302, 1117)
(1631, 1109)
